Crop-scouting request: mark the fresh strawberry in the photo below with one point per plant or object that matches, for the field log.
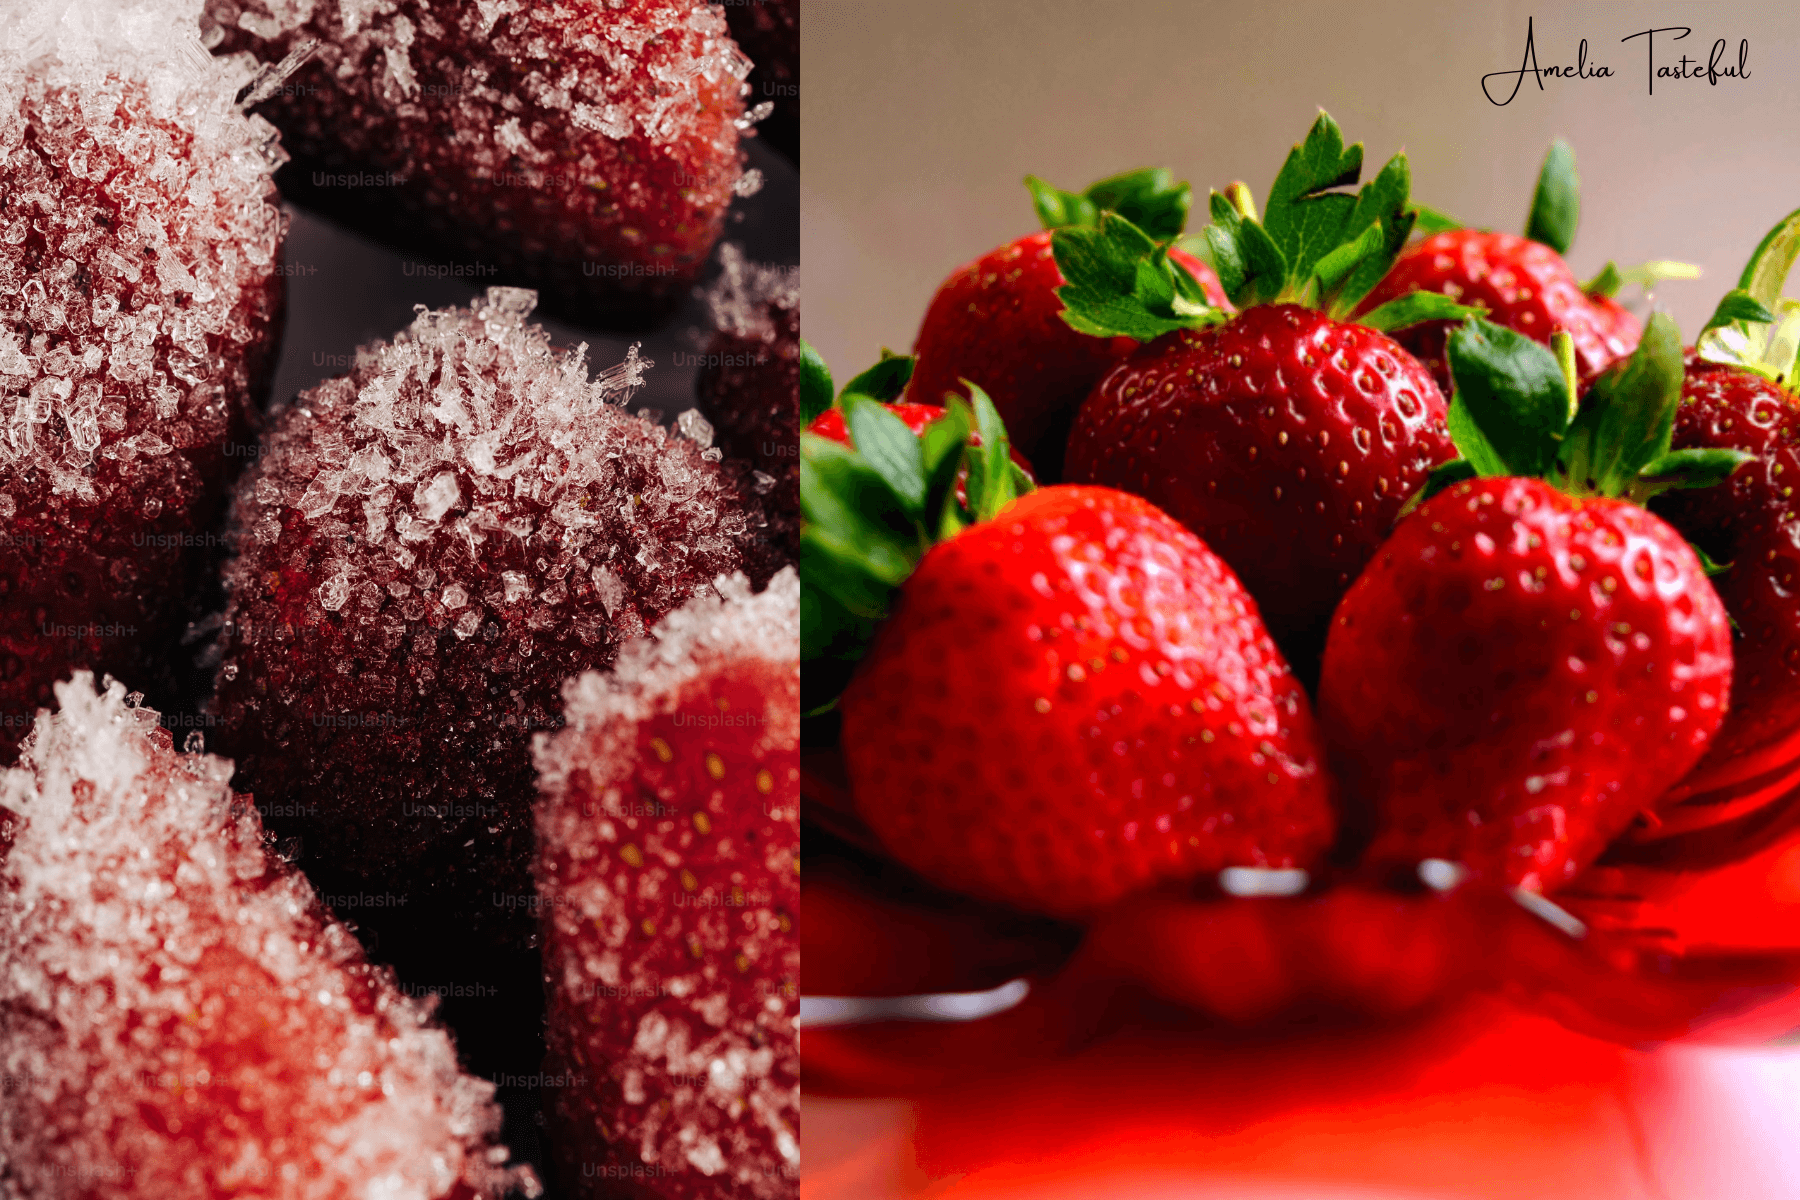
(1067, 698)
(1523, 282)
(1529, 662)
(1739, 394)
(1524, 285)
(995, 321)
(1287, 438)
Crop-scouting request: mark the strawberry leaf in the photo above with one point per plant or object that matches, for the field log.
(1149, 198)
(1437, 479)
(1250, 266)
(1120, 283)
(1556, 205)
(1382, 206)
(1303, 217)
(1512, 396)
(884, 381)
(1413, 308)
(1695, 468)
(1428, 220)
(1647, 275)
(888, 446)
(992, 482)
(1738, 305)
(1632, 409)
(815, 384)
(1057, 208)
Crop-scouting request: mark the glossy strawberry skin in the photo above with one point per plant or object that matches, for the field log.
(1286, 440)
(1077, 700)
(1524, 285)
(1750, 521)
(997, 322)
(1518, 674)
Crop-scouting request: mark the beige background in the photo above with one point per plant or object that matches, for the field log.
(921, 117)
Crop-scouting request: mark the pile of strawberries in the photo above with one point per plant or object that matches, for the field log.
(1361, 559)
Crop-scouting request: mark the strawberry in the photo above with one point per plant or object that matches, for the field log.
(1532, 659)
(1522, 282)
(1739, 394)
(995, 320)
(668, 844)
(1286, 436)
(1068, 698)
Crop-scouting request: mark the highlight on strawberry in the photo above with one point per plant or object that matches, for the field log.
(1533, 658)
(1285, 434)
(994, 321)
(1522, 283)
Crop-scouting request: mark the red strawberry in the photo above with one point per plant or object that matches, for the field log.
(668, 869)
(1524, 285)
(1286, 438)
(1298, 438)
(140, 314)
(1739, 395)
(1527, 665)
(1077, 700)
(587, 150)
(1523, 282)
(996, 322)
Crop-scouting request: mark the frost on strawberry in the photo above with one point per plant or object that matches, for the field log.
(748, 388)
(179, 1016)
(588, 150)
(428, 547)
(139, 234)
(1533, 658)
(668, 869)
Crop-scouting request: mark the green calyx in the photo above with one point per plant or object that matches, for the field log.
(1313, 244)
(869, 512)
(1755, 327)
(1514, 411)
(1149, 198)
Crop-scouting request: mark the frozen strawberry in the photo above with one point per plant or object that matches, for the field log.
(588, 150)
(1287, 435)
(139, 312)
(749, 385)
(769, 32)
(1532, 659)
(427, 548)
(997, 321)
(669, 872)
(179, 1015)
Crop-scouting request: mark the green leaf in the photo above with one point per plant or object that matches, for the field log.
(1768, 267)
(1303, 217)
(1120, 283)
(1250, 267)
(1606, 283)
(843, 501)
(1467, 436)
(884, 381)
(1429, 220)
(1380, 205)
(1337, 265)
(942, 449)
(1635, 406)
(815, 384)
(1694, 468)
(990, 475)
(1556, 205)
(1738, 305)
(1403, 312)
(1057, 208)
(1713, 569)
(1512, 395)
(1442, 476)
(1149, 198)
(887, 445)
